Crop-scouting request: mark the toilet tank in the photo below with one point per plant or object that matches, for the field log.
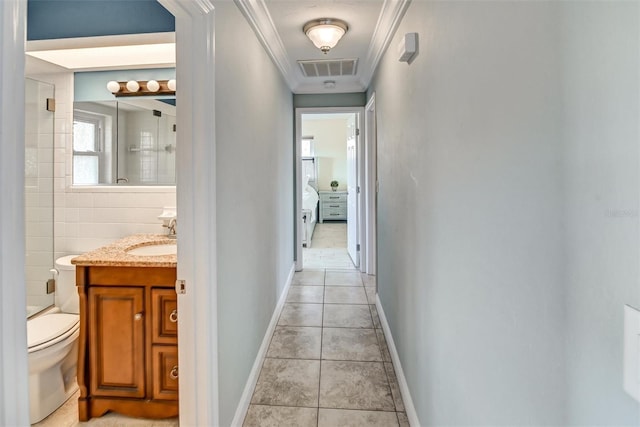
(66, 298)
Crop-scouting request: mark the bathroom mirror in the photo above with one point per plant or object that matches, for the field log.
(124, 142)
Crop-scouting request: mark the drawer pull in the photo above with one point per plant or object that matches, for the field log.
(333, 197)
(173, 317)
(334, 206)
(335, 214)
(174, 373)
(137, 316)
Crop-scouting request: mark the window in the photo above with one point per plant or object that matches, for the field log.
(87, 135)
(308, 149)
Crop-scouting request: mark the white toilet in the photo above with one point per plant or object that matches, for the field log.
(53, 346)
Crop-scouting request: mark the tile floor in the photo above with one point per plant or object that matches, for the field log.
(328, 247)
(328, 363)
(67, 416)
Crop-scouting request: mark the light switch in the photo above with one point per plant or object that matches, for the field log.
(631, 370)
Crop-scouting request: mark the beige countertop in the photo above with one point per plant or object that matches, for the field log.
(116, 255)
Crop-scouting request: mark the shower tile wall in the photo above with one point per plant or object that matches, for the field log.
(86, 219)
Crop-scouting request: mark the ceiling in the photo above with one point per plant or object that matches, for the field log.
(279, 23)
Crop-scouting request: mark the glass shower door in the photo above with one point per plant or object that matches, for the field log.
(38, 174)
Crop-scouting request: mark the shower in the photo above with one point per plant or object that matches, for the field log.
(38, 192)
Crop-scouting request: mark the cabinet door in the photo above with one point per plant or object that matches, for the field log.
(116, 341)
(165, 372)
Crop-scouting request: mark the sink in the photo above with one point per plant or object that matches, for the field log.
(154, 250)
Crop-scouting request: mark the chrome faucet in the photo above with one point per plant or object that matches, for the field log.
(172, 228)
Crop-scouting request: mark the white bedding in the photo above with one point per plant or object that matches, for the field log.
(309, 202)
(309, 198)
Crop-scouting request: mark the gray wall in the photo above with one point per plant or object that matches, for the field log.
(508, 225)
(254, 118)
(355, 99)
(601, 88)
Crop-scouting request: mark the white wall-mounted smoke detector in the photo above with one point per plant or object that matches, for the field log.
(408, 48)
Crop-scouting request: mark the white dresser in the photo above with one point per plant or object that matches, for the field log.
(333, 205)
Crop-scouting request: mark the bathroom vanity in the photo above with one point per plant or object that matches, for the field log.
(128, 345)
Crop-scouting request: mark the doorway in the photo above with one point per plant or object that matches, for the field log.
(330, 176)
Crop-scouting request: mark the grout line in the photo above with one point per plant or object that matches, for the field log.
(324, 289)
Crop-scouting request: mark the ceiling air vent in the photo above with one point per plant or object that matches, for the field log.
(329, 67)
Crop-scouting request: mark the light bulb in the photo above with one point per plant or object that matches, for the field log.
(171, 84)
(113, 86)
(153, 86)
(133, 86)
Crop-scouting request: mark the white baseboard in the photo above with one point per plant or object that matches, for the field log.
(245, 399)
(402, 381)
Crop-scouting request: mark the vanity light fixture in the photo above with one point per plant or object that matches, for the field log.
(325, 33)
(142, 87)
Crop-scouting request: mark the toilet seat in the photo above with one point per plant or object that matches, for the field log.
(47, 330)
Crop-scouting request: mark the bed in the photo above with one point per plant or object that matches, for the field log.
(309, 200)
(309, 214)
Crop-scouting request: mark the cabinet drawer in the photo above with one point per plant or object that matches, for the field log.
(164, 316)
(334, 205)
(334, 213)
(333, 197)
(165, 372)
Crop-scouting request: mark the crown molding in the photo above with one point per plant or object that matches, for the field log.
(392, 13)
(259, 18)
(257, 14)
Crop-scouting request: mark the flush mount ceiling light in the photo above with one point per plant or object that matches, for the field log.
(325, 32)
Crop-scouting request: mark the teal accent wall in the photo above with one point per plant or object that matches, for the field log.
(92, 85)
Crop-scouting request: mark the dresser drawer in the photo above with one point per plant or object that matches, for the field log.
(333, 213)
(164, 318)
(333, 197)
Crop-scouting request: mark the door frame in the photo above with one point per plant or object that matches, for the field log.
(298, 224)
(371, 187)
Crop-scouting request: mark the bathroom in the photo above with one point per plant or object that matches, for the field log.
(64, 218)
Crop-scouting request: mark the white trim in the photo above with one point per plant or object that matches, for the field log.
(370, 190)
(392, 13)
(395, 358)
(101, 41)
(196, 205)
(257, 14)
(245, 399)
(14, 391)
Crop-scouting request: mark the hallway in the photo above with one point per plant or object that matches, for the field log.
(328, 363)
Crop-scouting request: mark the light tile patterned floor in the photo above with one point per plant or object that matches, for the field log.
(328, 363)
(328, 247)
(67, 416)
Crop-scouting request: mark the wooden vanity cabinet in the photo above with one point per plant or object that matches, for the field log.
(128, 345)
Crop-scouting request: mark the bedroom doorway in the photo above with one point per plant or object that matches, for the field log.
(330, 173)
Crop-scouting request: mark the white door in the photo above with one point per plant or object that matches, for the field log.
(352, 191)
